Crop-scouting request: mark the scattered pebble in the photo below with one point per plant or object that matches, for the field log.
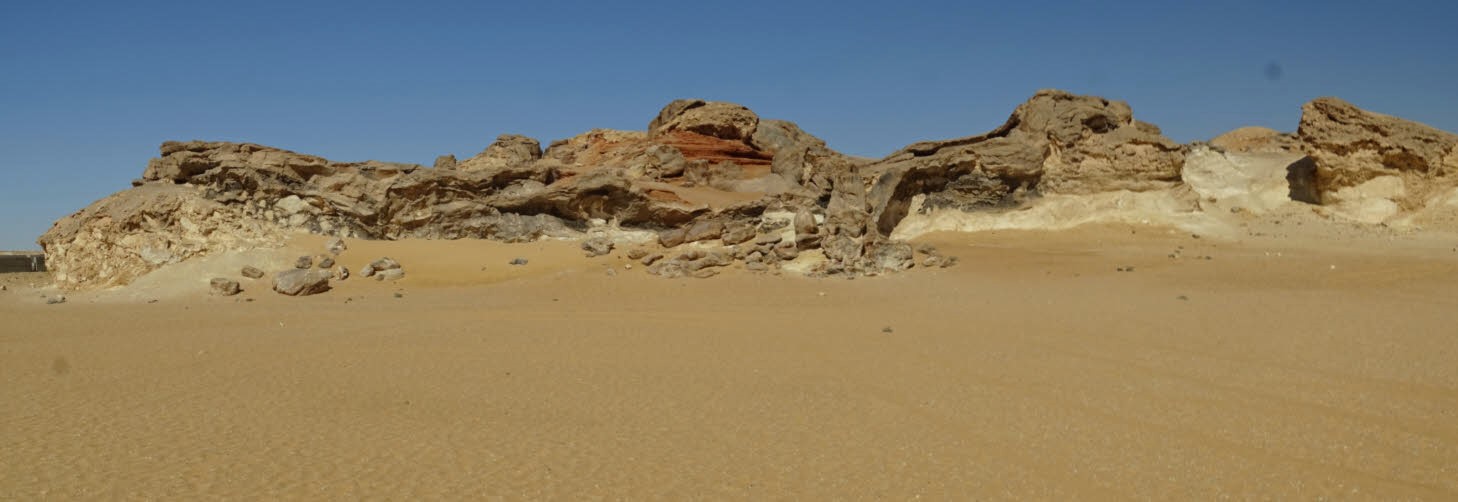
(519, 261)
(822, 293)
(399, 295)
(886, 329)
(55, 300)
(1182, 297)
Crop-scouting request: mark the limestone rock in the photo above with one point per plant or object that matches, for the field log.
(384, 264)
(597, 246)
(737, 233)
(1056, 142)
(1256, 140)
(509, 150)
(445, 162)
(709, 118)
(703, 231)
(300, 282)
(128, 234)
(1375, 161)
(225, 287)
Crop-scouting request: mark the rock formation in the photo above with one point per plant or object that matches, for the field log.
(727, 186)
(1055, 143)
(1375, 165)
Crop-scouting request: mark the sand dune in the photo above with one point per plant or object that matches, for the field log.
(1277, 368)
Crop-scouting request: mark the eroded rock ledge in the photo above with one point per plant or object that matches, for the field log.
(711, 175)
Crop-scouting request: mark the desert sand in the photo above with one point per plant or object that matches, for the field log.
(1293, 363)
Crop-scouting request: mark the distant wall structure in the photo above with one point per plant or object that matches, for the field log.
(22, 262)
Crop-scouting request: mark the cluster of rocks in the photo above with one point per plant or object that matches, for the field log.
(311, 274)
(767, 192)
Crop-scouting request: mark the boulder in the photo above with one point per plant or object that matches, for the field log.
(508, 151)
(300, 282)
(703, 231)
(225, 287)
(709, 118)
(597, 246)
(384, 264)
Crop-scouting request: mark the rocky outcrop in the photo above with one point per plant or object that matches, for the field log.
(508, 151)
(130, 233)
(1056, 142)
(1373, 165)
(714, 119)
(730, 187)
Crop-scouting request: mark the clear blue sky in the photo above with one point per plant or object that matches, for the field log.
(89, 89)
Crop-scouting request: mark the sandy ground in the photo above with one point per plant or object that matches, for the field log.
(1281, 367)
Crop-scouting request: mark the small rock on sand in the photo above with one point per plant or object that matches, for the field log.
(336, 246)
(326, 262)
(597, 246)
(519, 261)
(252, 272)
(300, 282)
(225, 287)
(304, 262)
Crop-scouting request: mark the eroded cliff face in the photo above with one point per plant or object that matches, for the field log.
(1055, 143)
(1373, 167)
(715, 176)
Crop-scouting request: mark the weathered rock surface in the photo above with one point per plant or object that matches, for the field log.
(716, 176)
(225, 287)
(508, 151)
(1255, 140)
(300, 282)
(715, 119)
(597, 246)
(1373, 164)
(1056, 142)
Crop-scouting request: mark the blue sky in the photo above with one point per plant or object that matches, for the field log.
(89, 89)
